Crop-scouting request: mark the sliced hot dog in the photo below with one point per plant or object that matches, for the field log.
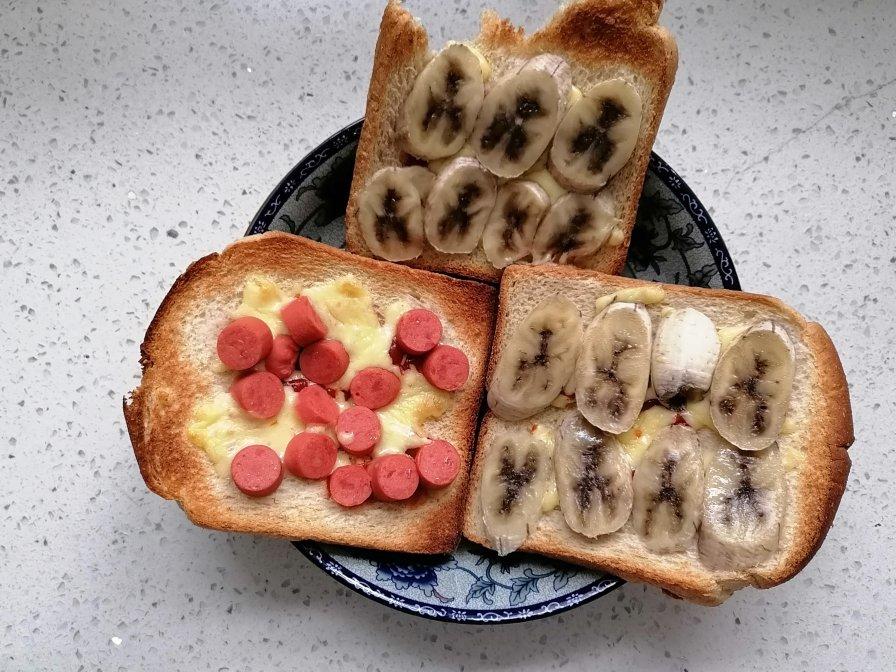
(446, 368)
(315, 406)
(350, 485)
(374, 387)
(418, 331)
(393, 478)
(244, 342)
(282, 359)
(358, 430)
(310, 455)
(256, 470)
(324, 362)
(437, 463)
(303, 322)
(260, 394)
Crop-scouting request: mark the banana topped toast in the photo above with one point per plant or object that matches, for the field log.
(510, 148)
(690, 438)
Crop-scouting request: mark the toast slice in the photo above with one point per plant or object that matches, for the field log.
(179, 371)
(814, 452)
(601, 39)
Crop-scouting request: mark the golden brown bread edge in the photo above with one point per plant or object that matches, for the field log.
(822, 478)
(158, 411)
(591, 32)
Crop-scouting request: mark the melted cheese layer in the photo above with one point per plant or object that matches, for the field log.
(221, 428)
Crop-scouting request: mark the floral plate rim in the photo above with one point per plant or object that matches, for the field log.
(262, 221)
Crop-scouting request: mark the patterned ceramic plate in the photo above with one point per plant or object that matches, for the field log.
(674, 241)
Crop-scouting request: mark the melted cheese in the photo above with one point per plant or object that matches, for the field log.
(791, 457)
(617, 237)
(648, 295)
(727, 335)
(637, 439)
(402, 420)
(221, 429)
(551, 498)
(263, 299)
(346, 307)
(543, 178)
(697, 414)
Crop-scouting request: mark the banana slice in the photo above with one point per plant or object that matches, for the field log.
(537, 361)
(439, 113)
(668, 490)
(742, 506)
(511, 227)
(594, 477)
(520, 114)
(596, 137)
(458, 206)
(685, 352)
(390, 211)
(577, 225)
(751, 387)
(614, 367)
(515, 477)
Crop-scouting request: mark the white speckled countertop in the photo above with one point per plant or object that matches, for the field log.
(135, 137)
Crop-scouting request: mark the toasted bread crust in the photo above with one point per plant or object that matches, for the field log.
(589, 33)
(821, 476)
(157, 413)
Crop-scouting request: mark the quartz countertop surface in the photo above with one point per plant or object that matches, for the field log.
(136, 137)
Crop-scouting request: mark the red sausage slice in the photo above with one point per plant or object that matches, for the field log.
(437, 463)
(244, 342)
(350, 485)
(256, 471)
(260, 394)
(393, 477)
(446, 368)
(358, 430)
(303, 322)
(324, 362)
(374, 387)
(310, 455)
(282, 359)
(418, 331)
(315, 406)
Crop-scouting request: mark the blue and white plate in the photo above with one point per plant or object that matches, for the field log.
(674, 241)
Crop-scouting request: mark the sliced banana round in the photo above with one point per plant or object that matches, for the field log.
(743, 502)
(751, 388)
(577, 225)
(537, 360)
(439, 112)
(668, 490)
(390, 212)
(515, 476)
(520, 114)
(594, 477)
(614, 367)
(685, 351)
(596, 137)
(458, 206)
(508, 235)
